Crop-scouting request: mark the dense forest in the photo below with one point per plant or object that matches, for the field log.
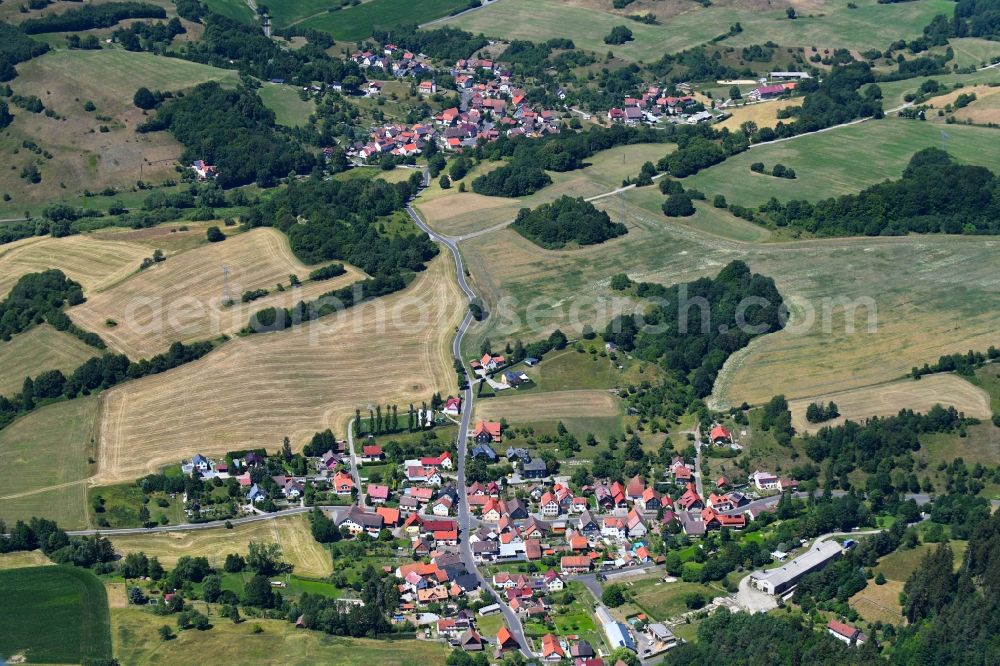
(233, 45)
(34, 298)
(233, 130)
(449, 44)
(566, 220)
(726, 639)
(695, 326)
(15, 47)
(977, 18)
(934, 195)
(89, 17)
(512, 180)
(875, 445)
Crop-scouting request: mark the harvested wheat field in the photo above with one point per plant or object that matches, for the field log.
(298, 547)
(94, 263)
(255, 390)
(41, 348)
(887, 399)
(549, 406)
(764, 114)
(181, 298)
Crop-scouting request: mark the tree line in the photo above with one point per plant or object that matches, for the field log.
(90, 17)
(449, 44)
(962, 364)
(566, 220)
(934, 195)
(343, 224)
(16, 47)
(95, 374)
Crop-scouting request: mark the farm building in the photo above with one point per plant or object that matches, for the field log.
(776, 581)
(616, 633)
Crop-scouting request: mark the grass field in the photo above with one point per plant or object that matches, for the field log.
(822, 24)
(234, 9)
(455, 213)
(41, 348)
(289, 109)
(666, 600)
(555, 405)
(136, 641)
(93, 262)
(181, 299)
(844, 161)
(985, 110)
(298, 547)
(923, 307)
(23, 558)
(48, 449)
(83, 157)
(887, 399)
(764, 114)
(255, 390)
(358, 22)
(53, 615)
(569, 370)
(894, 91)
(121, 504)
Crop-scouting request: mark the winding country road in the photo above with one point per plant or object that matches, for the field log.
(464, 518)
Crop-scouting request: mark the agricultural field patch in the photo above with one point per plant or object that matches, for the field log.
(859, 404)
(906, 289)
(136, 641)
(894, 91)
(844, 161)
(38, 599)
(458, 213)
(554, 405)
(92, 261)
(253, 391)
(764, 114)
(359, 21)
(985, 110)
(183, 298)
(289, 109)
(38, 349)
(43, 463)
(298, 547)
(83, 156)
(827, 24)
(23, 558)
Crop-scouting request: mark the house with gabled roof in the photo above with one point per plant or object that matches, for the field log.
(650, 500)
(487, 431)
(343, 483)
(378, 493)
(719, 435)
(690, 500)
(634, 525)
(846, 633)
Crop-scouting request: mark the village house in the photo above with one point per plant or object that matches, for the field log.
(357, 520)
(536, 469)
(378, 494)
(764, 480)
(575, 564)
(452, 406)
(845, 632)
(487, 431)
(371, 453)
(690, 500)
(343, 483)
(720, 435)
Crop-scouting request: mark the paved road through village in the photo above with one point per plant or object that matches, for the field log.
(464, 518)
